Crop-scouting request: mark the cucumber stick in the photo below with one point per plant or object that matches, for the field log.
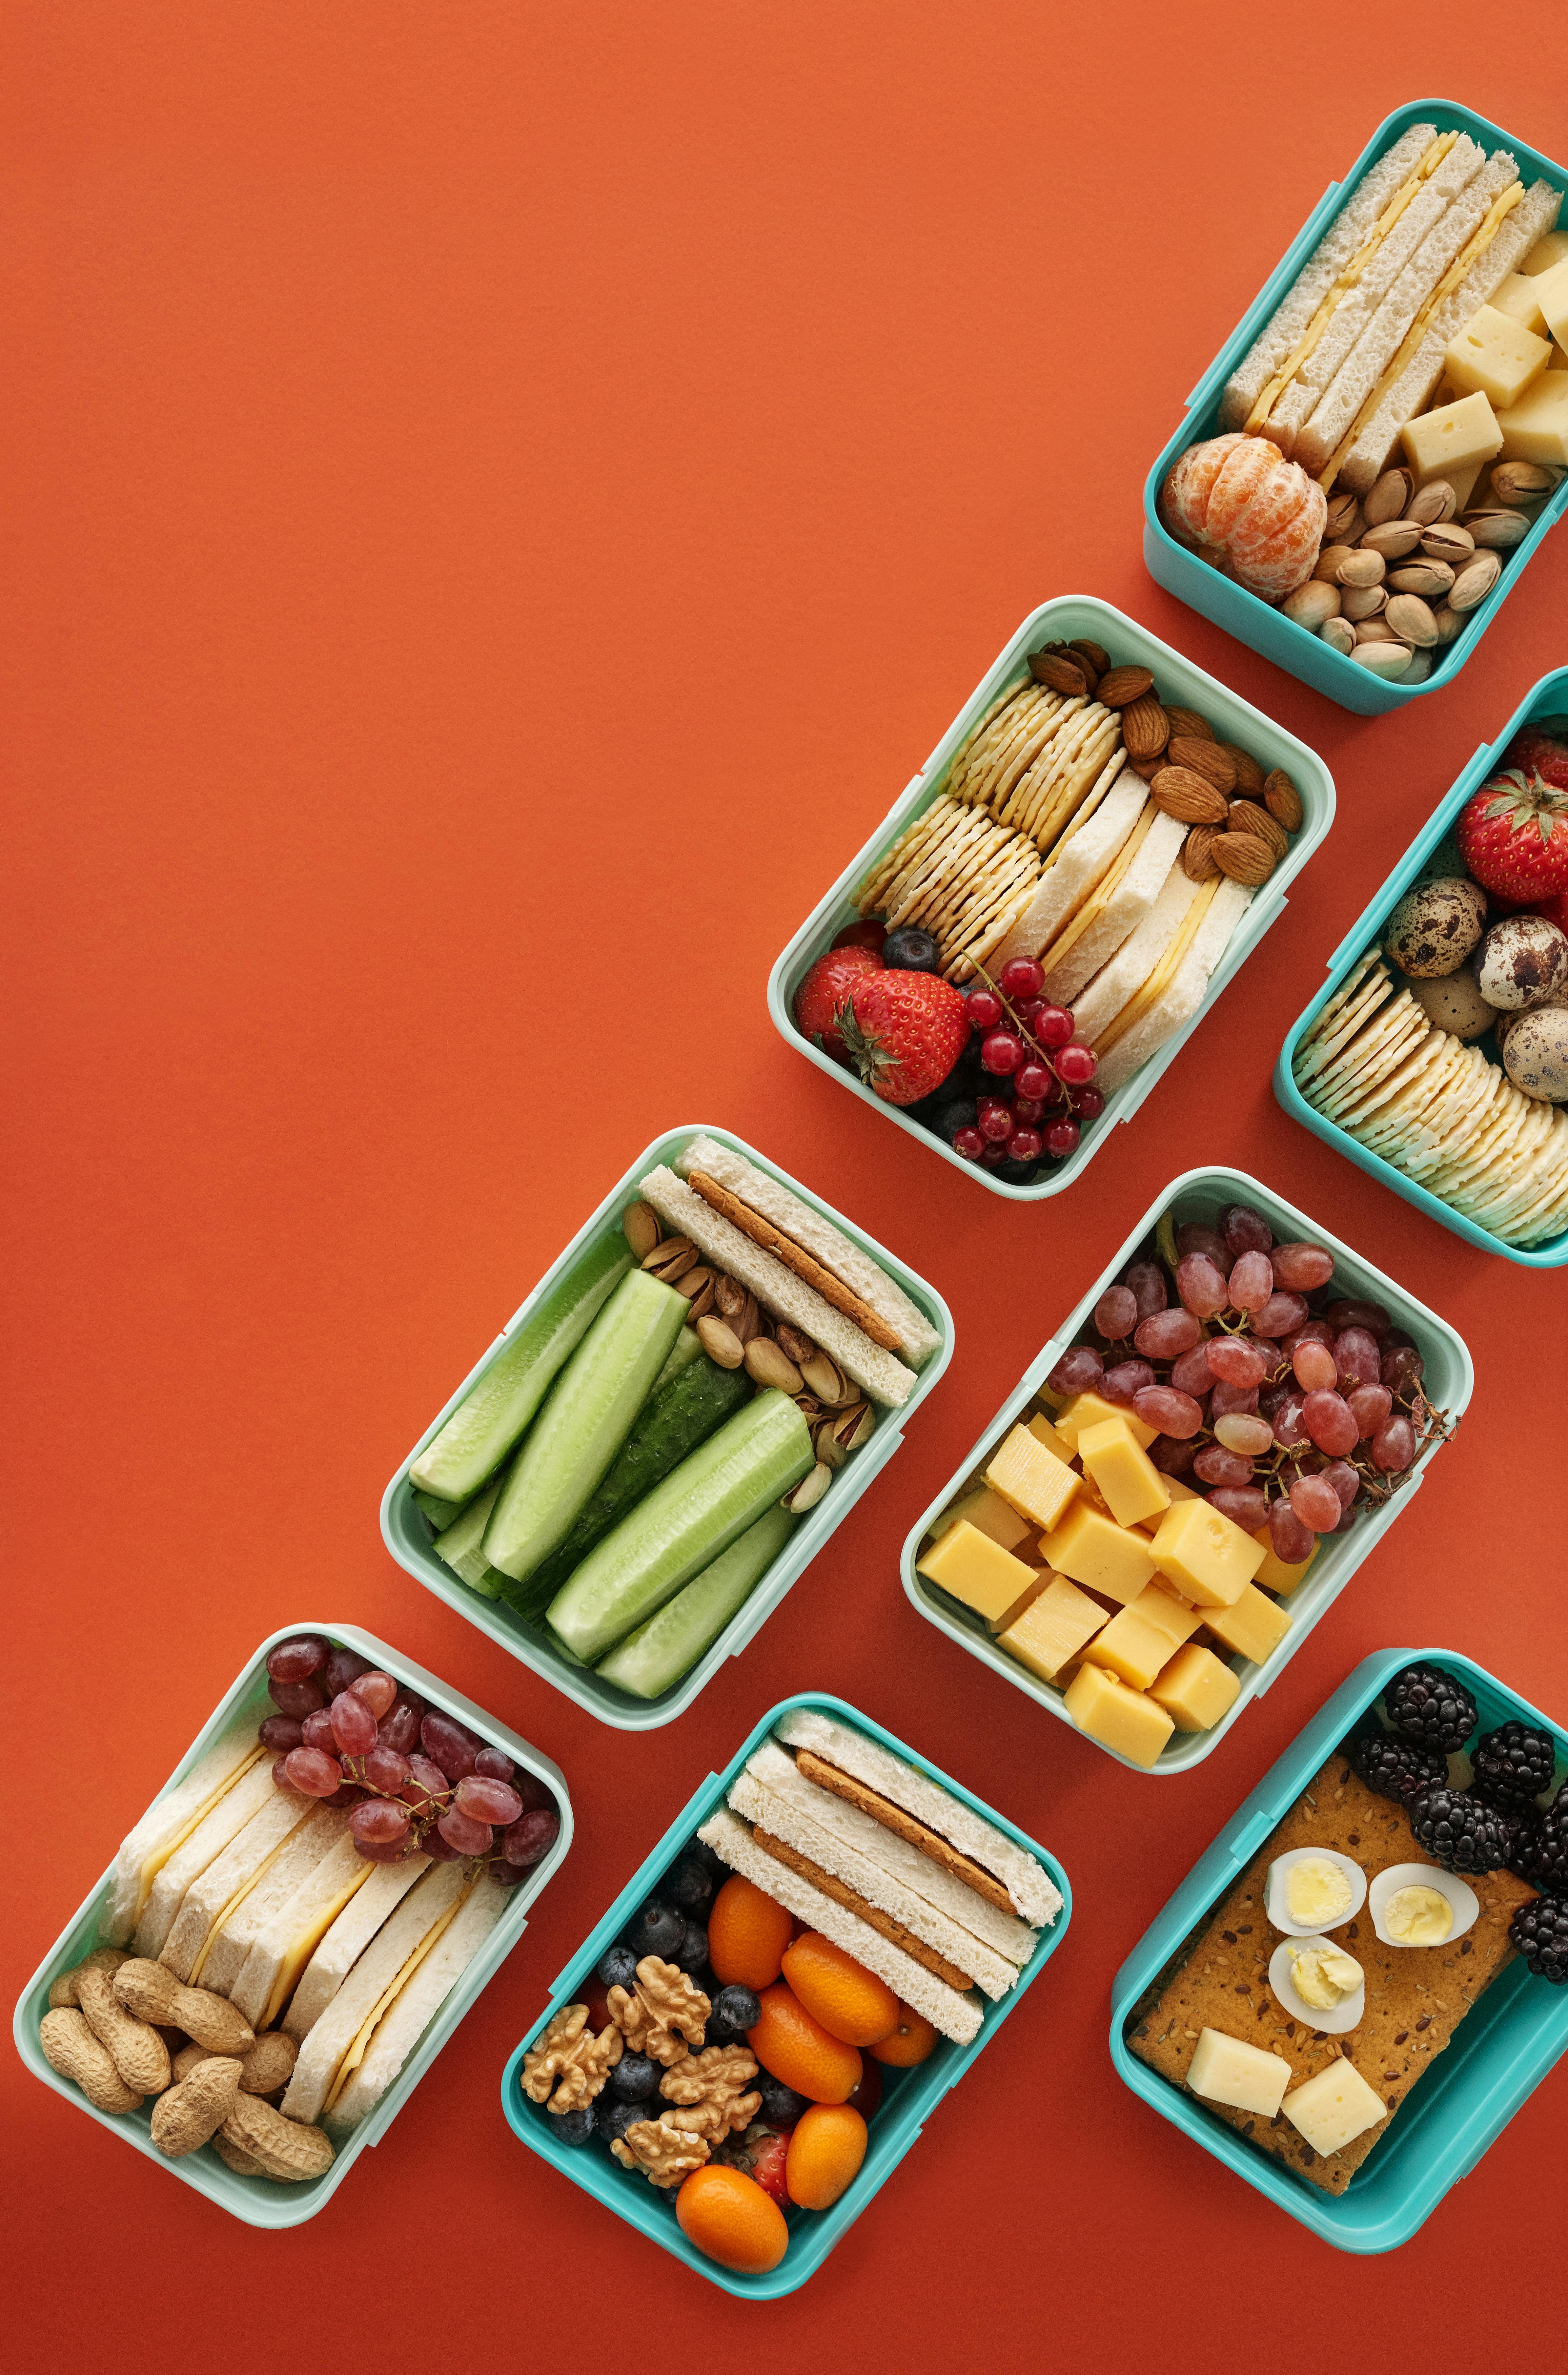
(584, 1422)
(686, 1348)
(462, 1545)
(440, 1512)
(681, 1411)
(682, 1525)
(656, 1656)
(497, 1407)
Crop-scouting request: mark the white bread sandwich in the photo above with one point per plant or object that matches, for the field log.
(780, 1289)
(1082, 855)
(347, 1940)
(952, 2013)
(1097, 1007)
(384, 1966)
(290, 1934)
(386, 2040)
(230, 1814)
(1004, 1872)
(1176, 987)
(1116, 907)
(167, 1825)
(220, 1887)
(914, 1336)
(223, 1954)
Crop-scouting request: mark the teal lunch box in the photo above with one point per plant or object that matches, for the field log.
(1499, 2054)
(909, 2096)
(1246, 615)
(1546, 698)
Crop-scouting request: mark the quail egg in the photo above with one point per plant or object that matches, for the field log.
(1418, 1904)
(1523, 961)
(1435, 926)
(1535, 1055)
(1318, 1984)
(1313, 1890)
(1455, 1003)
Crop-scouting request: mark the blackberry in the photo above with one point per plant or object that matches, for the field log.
(1513, 1764)
(1396, 1767)
(1463, 1832)
(1427, 1705)
(1545, 1862)
(1540, 1930)
(1527, 1839)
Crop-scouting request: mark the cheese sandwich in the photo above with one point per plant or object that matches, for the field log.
(166, 1826)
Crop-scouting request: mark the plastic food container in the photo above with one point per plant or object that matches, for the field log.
(408, 1536)
(1447, 1382)
(1544, 699)
(909, 2096)
(1248, 617)
(1499, 2054)
(257, 2200)
(1178, 681)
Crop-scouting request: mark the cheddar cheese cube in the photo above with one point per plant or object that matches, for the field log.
(1119, 1718)
(1033, 1479)
(1094, 1551)
(1196, 1689)
(975, 1569)
(1092, 1410)
(1038, 1578)
(1133, 1486)
(1496, 356)
(1274, 1574)
(1252, 1625)
(1043, 1432)
(1053, 1628)
(1205, 1556)
(1138, 1642)
(1536, 429)
(991, 1514)
(1546, 254)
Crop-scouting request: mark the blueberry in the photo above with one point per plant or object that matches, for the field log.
(711, 1861)
(658, 1930)
(618, 1967)
(692, 1955)
(909, 950)
(571, 2127)
(737, 2008)
(614, 2119)
(1016, 1174)
(634, 2078)
(954, 1114)
(689, 1885)
(782, 2106)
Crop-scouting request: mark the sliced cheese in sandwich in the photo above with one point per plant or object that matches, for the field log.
(1117, 908)
(1164, 1011)
(346, 1939)
(385, 2044)
(432, 1899)
(1077, 865)
(1118, 980)
(290, 1936)
(878, 1372)
(1149, 992)
(1033, 1893)
(951, 2012)
(252, 1791)
(811, 1229)
(220, 1887)
(167, 1825)
(224, 1954)
(908, 1869)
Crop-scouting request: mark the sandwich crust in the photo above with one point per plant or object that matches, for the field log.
(805, 1266)
(894, 1818)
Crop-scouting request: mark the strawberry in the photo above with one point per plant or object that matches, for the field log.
(1542, 750)
(761, 2153)
(1514, 834)
(904, 1032)
(825, 991)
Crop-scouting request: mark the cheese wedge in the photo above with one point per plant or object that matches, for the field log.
(170, 1821)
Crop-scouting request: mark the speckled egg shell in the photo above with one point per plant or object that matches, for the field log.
(1455, 1003)
(1524, 961)
(1537, 1055)
(1435, 926)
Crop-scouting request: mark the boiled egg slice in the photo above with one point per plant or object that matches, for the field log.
(1333, 2020)
(1324, 1888)
(1405, 1913)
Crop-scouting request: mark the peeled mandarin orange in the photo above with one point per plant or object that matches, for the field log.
(850, 2002)
(747, 1935)
(730, 2219)
(799, 2052)
(1241, 504)
(911, 2041)
(826, 2149)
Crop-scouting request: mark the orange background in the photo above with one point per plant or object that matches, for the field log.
(508, 497)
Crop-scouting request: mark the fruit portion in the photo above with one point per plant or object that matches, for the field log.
(850, 2002)
(748, 1933)
(793, 2047)
(729, 2219)
(824, 2155)
(912, 2041)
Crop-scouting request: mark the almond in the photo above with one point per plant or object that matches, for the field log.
(1059, 675)
(1282, 801)
(1187, 721)
(1243, 855)
(1198, 854)
(1188, 798)
(1099, 658)
(1125, 684)
(1145, 729)
(1249, 774)
(1205, 758)
(1246, 816)
(1148, 768)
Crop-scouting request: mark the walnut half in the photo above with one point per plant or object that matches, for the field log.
(663, 2009)
(567, 2053)
(664, 2153)
(711, 2091)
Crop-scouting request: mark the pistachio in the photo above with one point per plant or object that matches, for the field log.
(1390, 661)
(693, 1281)
(854, 1426)
(826, 1444)
(1448, 623)
(825, 1379)
(1448, 542)
(1311, 604)
(766, 1365)
(1523, 482)
(672, 1260)
(1328, 561)
(1390, 498)
(1393, 540)
(1375, 630)
(1412, 620)
(1474, 581)
(1339, 632)
(1344, 522)
(1363, 568)
(1420, 668)
(1362, 602)
(702, 1299)
(721, 1343)
(729, 1298)
(640, 1227)
(797, 1345)
(1432, 503)
(748, 1321)
(809, 1491)
(1498, 531)
(1430, 579)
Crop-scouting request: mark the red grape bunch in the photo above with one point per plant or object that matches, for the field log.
(416, 1779)
(1289, 1408)
(1040, 1075)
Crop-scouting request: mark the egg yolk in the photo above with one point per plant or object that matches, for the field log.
(1418, 1916)
(1317, 1894)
